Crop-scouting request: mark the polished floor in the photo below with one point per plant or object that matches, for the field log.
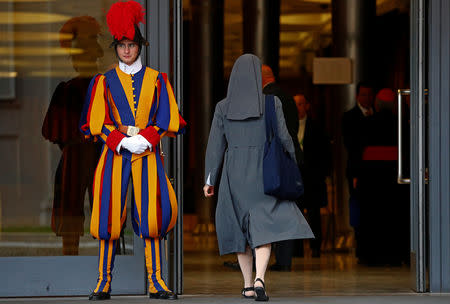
(334, 278)
(331, 274)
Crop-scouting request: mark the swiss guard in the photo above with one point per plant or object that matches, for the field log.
(130, 108)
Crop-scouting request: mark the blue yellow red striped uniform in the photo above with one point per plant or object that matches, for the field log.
(144, 100)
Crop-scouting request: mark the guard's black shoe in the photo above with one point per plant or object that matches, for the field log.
(278, 267)
(163, 295)
(99, 296)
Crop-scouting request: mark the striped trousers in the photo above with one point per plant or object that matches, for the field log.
(106, 255)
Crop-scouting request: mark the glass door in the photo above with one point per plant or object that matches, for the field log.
(50, 51)
(413, 130)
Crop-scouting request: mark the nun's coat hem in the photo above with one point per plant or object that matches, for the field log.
(281, 238)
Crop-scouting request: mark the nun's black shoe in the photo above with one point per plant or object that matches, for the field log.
(260, 292)
(244, 290)
(99, 296)
(163, 295)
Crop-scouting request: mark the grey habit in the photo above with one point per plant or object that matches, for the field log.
(244, 214)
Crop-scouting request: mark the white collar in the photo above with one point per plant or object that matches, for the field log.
(303, 121)
(366, 112)
(132, 68)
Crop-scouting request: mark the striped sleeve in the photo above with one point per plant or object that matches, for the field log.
(168, 120)
(95, 122)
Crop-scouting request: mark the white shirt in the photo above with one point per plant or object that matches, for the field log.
(132, 69)
(301, 131)
(366, 112)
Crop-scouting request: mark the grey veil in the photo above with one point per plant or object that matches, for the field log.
(244, 96)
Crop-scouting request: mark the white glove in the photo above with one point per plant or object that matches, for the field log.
(134, 144)
(145, 141)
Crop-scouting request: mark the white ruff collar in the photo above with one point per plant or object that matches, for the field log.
(131, 69)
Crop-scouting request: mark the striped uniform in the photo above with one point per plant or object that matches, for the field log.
(144, 100)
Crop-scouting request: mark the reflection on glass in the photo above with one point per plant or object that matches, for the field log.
(79, 157)
(46, 166)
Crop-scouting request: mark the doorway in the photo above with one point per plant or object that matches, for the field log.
(338, 268)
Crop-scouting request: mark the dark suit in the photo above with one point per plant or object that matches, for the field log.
(355, 127)
(354, 124)
(289, 111)
(314, 166)
(384, 225)
(284, 249)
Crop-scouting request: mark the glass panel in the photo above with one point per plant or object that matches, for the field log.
(49, 52)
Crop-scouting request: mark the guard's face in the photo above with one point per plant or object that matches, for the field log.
(128, 51)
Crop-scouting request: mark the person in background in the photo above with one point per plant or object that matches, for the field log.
(354, 131)
(246, 218)
(384, 220)
(270, 87)
(283, 249)
(79, 157)
(315, 165)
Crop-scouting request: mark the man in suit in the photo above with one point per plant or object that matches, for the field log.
(355, 124)
(314, 163)
(284, 249)
(315, 166)
(270, 87)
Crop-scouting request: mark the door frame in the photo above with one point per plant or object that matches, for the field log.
(430, 149)
(417, 146)
(439, 144)
(165, 37)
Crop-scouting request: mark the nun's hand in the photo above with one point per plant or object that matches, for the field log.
(208, 190)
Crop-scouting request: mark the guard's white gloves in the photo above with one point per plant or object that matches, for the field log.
(145, 141)
(135, 144)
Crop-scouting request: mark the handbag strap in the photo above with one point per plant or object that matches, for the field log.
(271, 122)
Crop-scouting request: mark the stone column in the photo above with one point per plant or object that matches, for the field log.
(262, 30)
(352, 22)
(206, 89)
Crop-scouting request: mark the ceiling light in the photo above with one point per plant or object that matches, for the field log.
(60, 63)
(39, 51)
(305, 19)
(31, 18)
(27, 1)
(34, 36)
(8, 74)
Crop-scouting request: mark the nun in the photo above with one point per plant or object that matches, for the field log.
(247, 220)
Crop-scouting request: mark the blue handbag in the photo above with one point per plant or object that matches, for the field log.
(282, 177)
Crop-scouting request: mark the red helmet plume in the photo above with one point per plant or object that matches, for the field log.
(123, 18)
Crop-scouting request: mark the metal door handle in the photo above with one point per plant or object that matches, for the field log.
(400, 178)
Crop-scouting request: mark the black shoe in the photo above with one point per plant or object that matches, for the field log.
(99, 296)
(163, 295)
(278, 267)
(247, 289)
(260, 292)
(232, 265)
